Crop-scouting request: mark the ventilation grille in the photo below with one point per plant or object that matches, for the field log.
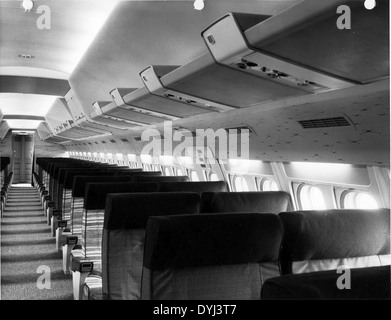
(325, 123)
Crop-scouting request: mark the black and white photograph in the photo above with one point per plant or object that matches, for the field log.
(194, 158)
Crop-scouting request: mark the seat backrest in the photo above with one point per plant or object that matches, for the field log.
(126, 217)
(91, 220)
(252, 201)
(363, 283)
(149, 178)
(329, 239)
(225, 256)
(80, 182)
(73, 199)
(199, 186)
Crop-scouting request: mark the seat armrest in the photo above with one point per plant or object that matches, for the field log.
(81, 268)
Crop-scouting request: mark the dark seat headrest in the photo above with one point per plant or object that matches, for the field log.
(70, 175)
(332, 234)
(80, 182)
(96, 192)
(150, 178)
(257, 201)
(212, 239)
(63, 172)
(121, 168)
(367, 283)
(132, 210)
(201, 186)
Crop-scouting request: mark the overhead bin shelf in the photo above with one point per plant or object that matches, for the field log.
(56, 139)
(218, 87)
(152, 78)
(139, 107)
(45, 134)
(88, 124)
(4, 127)
(74, 131)
(43, 131)
(303, 46)
(108, 113)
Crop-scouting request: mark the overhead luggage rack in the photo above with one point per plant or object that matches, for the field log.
(152, 80)
(139, 107)
(215, 86)
(303, 48)
(4, 128)
(73, 131)
(88, 124)
(55, 139)
(106, 112)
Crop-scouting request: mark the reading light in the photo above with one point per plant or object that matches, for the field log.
(199, 4)
(27, 5)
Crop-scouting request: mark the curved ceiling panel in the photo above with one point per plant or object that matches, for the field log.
(18, 84)
(70, 27)
(25, 104)
(33, 72)
(143, 33)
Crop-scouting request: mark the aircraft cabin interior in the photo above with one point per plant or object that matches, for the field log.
(195, 150)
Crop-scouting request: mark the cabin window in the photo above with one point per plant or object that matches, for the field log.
(358, 200)
(179, 172)
(213, 176)
(268, 185)
(167, 171)
(119, 156)
(156, 167)
(311, 198)
(194, 176)
(240, 184)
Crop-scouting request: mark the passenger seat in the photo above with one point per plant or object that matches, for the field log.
(225, 256)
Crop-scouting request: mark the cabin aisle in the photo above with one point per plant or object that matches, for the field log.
(29, 259)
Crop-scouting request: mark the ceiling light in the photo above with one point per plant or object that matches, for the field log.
(199, 4)
(23, 124)
(27, 5)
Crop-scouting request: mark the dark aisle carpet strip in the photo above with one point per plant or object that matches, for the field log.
(31, 267)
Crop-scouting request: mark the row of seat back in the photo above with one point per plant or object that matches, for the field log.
(67, 176)
(324, 240)
(186, 259)
(125, 220)
(4, 191)
(198, 186)
(371, 283)
(55, 171)
(88, 215)
(93, 217)
(179, 246)
(215, 256)
(75, 186)
(269, 202)
(144, 178)
(74, 197)
(163, 203)
(95, 195)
